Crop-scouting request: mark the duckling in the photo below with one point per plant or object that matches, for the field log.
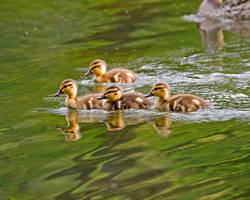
(118, 101)
(119, 75)
(86, 102)
(233, 9)
(179, 102)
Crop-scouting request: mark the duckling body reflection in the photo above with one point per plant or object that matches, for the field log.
(87, 102)
(72, 131)
(98, 68)
(114, 121)
(162, 123)
(179, 102)
(118, 101)
(233, 9)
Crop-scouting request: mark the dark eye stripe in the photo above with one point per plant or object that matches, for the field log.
(158, 88)
(95, 67)
(67, 85)
(108, 92)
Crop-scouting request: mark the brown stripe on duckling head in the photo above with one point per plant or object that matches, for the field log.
(113, 88)
(112, 93)
(67, 83)
(160, 86)
(97, 63)
(100, 64)
(92, 66)
(64, 84)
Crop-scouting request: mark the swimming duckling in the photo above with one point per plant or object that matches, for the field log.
(233, 9)
(118, 101)
(118, 75)
(179, 102)
(88, 102)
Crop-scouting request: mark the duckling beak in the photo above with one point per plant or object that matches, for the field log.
(101, 97)
(58, 93)
(150, 94)
(88, 73)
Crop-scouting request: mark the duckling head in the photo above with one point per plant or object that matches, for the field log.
(97, 67)
(160, 90)
(68, 87)
(112, 93)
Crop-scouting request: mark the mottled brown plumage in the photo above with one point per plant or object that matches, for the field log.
(233, 9)
(87, 102)
(118, 101)
(179, 102)
(118, 75)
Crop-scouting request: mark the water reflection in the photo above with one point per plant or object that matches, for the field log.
(100, 88)
(212, 31)
(72, 131)
(162, 124)
(98, 170)
(212, 34)
(114, 121)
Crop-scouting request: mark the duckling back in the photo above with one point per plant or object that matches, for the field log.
(187, 103)
(120, 75)
(89, 102)
(130, 100)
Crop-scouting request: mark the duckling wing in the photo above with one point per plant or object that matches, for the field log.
(187, 103)
(89, 102)
(136, 101)
(120, 75)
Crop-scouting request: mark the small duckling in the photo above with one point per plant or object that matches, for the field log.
(179, 102)
(118, 75)
(118, 101)
(86, 102)
(233, 9)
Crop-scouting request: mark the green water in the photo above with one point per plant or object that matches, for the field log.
(121, 155)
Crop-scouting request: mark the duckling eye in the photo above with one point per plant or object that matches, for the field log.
(157, 88)
(67, 85)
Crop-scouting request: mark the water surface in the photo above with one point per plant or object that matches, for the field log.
(50, 152)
